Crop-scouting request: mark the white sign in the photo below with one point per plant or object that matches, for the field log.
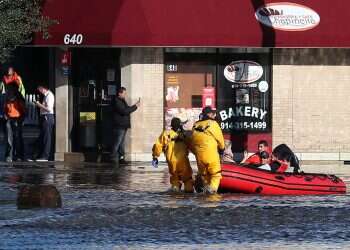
(287, 16)
(74, 39)
(243, 71)
(263, 86)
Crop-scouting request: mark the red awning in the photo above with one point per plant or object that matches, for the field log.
(204, 23)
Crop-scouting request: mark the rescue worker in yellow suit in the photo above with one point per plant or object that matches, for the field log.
(206, 143)
(172, 143)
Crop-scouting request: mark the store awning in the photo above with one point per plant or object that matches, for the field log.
(204, 23)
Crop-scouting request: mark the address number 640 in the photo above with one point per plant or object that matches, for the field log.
(74, 39)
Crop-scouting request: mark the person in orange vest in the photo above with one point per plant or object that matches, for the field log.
(12, 80)
(256, 158)
(13, 91)
(173, 144)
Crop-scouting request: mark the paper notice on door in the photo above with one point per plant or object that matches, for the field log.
(110, 75)
(112, 90)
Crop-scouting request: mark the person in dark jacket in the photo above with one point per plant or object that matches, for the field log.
(122, 113)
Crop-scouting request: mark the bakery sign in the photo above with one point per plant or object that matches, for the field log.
(287, 16)
(243, 71)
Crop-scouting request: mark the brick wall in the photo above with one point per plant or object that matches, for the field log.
(142, 73)
(311, 98)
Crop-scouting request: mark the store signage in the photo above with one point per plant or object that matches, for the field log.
(263, 86)
(287, 16)
(208, 97)
(246, 113)
(243, 71)
(73, 39)
(243, 94)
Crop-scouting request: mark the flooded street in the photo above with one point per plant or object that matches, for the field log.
(103, 208)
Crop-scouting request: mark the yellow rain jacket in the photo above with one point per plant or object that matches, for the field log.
(173, 145)
(207, 139)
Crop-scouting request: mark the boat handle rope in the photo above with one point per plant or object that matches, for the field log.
(334, 178)
(280, 177)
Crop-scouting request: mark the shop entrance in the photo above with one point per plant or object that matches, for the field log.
(95, 78)
(244, 100)
(237, 82)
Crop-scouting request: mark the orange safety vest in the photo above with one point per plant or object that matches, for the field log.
(14, 109)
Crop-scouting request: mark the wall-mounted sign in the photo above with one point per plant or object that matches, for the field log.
(263, 86)
(208, 97)
(287, 16)
(171, 68)
(73, 39)
(243, 71)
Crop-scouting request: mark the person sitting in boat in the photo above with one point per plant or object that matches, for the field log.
(207, 143)
(265, 160)
(256, 158)
(284, 159)
(172, 144)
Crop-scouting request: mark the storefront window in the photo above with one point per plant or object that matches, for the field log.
(185, 83)
(235, 81)
(244, 88)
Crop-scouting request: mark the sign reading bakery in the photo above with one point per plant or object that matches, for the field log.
(243, 102)
(287, 16)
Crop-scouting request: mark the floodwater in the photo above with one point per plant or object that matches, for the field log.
(129, 208)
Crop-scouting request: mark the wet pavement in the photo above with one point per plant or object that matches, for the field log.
(104, 207)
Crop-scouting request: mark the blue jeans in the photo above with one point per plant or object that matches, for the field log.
(119, 144)
(14, 149)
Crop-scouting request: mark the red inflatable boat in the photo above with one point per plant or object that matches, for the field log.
(250, 180)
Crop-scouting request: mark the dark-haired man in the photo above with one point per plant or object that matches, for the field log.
(122, 113)
(47, 122)
(256, 158)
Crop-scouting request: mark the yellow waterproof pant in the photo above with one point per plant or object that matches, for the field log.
(181, 172)
(210, 173)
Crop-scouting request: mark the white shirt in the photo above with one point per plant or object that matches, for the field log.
(48, 102)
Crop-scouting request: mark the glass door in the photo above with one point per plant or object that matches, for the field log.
(95, 77)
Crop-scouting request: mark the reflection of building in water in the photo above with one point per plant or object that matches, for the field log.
(30, 178)
(94, 178)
